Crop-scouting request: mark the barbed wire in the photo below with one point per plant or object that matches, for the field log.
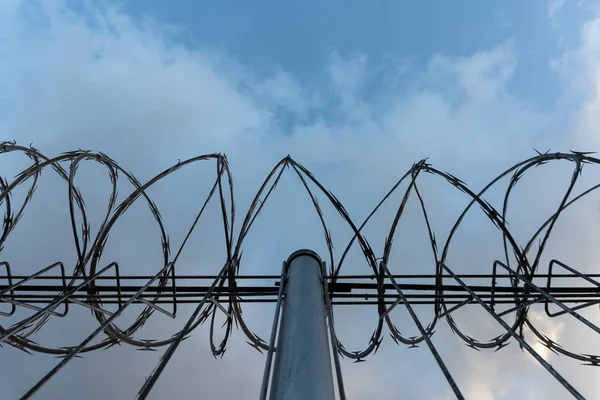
(225, 294)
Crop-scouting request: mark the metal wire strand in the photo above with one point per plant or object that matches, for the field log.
(85, 285)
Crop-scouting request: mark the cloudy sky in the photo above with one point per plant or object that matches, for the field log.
(356, 91)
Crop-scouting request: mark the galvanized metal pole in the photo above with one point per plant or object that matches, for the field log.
(302, 367)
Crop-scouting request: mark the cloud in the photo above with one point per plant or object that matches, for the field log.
(100, 79)
(581, 68)
(554, 331)
(554, 7)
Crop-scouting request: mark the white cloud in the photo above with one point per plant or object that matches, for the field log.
(552, 329)
(554, 7)
(108, 82)
(581, 68)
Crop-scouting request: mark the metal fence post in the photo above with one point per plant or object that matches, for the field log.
(302, 367)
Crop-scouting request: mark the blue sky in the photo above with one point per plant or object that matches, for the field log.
(357, 91)
(300, 37)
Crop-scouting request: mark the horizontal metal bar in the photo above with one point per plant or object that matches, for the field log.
(152, 289)
(336, 287)
(335, 302)
(144, 277)
(329, 277)
(589, 297)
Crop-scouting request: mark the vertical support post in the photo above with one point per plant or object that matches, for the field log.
(302, 367)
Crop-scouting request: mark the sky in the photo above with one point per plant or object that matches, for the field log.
(355, 91)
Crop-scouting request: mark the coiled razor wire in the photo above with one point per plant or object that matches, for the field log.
(225, 286)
